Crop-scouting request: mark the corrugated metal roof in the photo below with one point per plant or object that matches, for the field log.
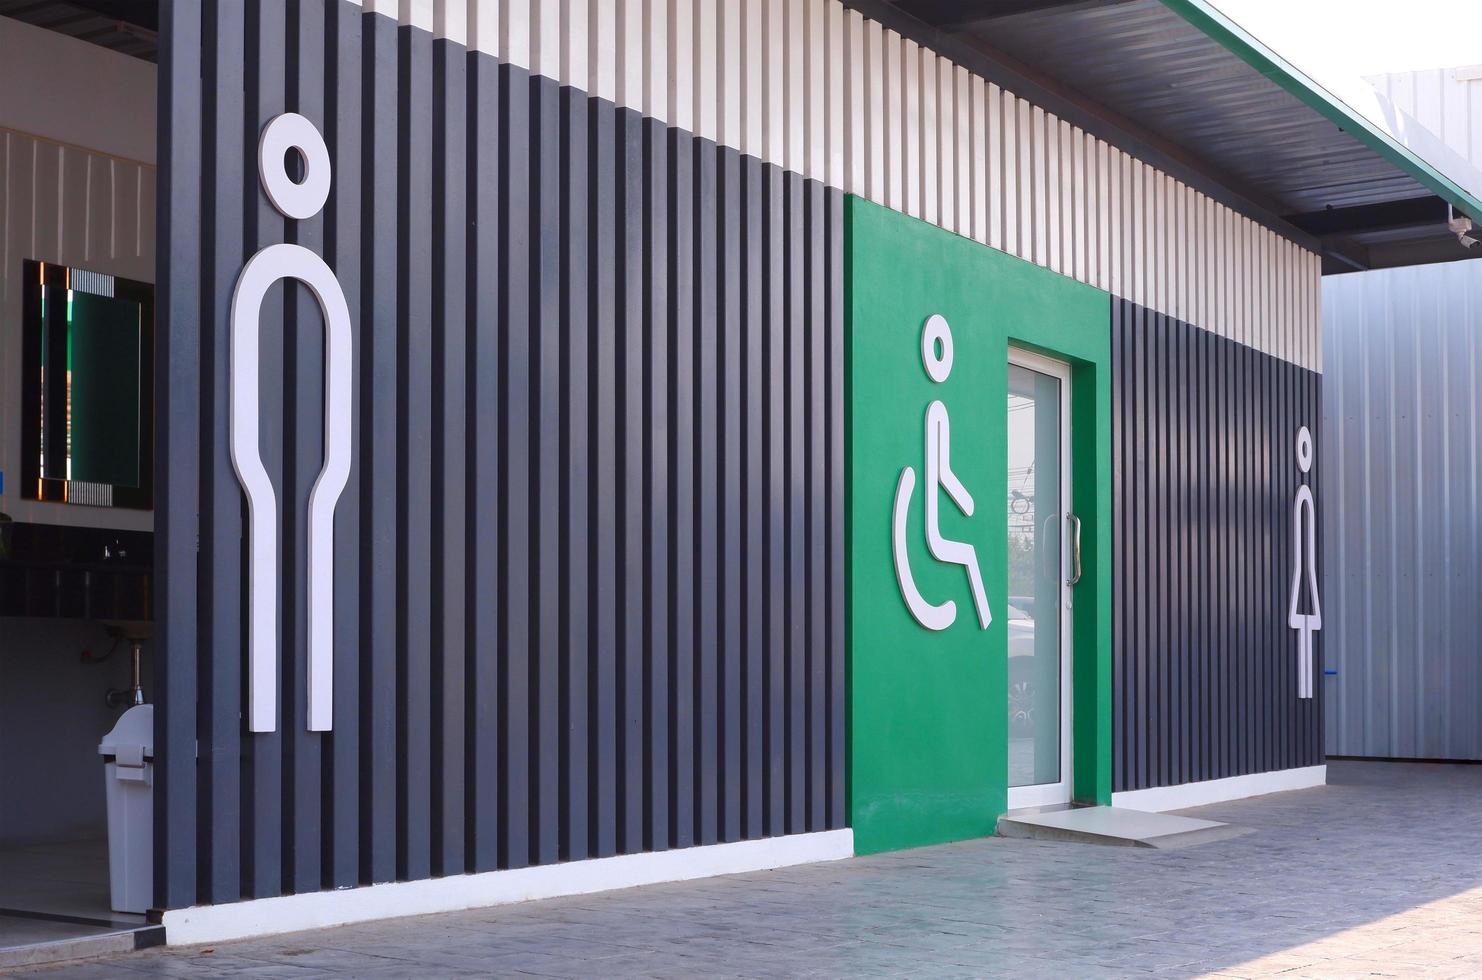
(1143, 61)
(1180, 78)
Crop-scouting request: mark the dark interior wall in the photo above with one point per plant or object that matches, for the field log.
(588, 593)
(52, 717)
(1205, 473)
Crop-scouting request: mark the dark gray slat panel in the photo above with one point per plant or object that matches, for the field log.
(656, 482)
(794, 438)
(1284, 455)
(774, 478)
(1168, 528)
(1234, 384)
(752, 394)
(577, 472)
(604, 736)
(1277, 685)
(1255, 581)
(1189, 594)
(628, 133)
(341, 785)
(1142, 594)
(1307, 747)
(377, 449)
(223, 170)
(1283, 682)
(451, 522)
(1224, 481)
(705, 366)
(815, 483)
(721, 215)
(1317, 751)
(1119, 546)
(1136, 591)
(1238, 395)
(1177, 529)
(837, 650)
(1246, 595)
(1254, 625)
(263, 810)
(177, 461)
(1204, 551)
(414, 443)
(547, 576)
(483, 376)
(1223, 718)
(1198, 422)
(1212, 555)
(689, 280)
(1157, 530)
(514, 486)
(303, 440)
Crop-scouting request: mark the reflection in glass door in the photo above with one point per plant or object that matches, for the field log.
(1038, 567)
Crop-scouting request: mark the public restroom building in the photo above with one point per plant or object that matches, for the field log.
(541, 446)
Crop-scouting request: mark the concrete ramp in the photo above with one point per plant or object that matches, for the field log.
(1115, 826)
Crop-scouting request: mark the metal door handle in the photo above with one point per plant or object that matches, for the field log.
(1075, 549)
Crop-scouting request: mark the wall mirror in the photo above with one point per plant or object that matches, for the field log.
(87, 368)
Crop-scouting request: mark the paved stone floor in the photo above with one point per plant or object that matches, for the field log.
(1378, 874)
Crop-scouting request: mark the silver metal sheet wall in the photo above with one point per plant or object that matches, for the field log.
(1447, 101)
(589, 564)
(826, 92)
(1204, 664)
(1402, 444)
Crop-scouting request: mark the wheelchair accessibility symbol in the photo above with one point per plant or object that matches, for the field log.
(936, 354)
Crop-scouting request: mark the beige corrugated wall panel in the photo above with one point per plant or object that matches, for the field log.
(828, 93)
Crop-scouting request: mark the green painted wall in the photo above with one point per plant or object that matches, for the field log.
(928, 719)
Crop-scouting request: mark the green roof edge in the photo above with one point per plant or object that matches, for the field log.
(1247, 48)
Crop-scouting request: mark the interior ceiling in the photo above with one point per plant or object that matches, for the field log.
(128, 26)
(1146, 71)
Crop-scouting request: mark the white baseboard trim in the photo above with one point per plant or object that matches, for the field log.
(318, 910)
(1207, 791)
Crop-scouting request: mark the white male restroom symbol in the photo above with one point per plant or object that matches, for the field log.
(936, 354)
(298, 200)
(1304, 565)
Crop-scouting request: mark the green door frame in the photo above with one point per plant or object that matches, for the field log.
(928, 708)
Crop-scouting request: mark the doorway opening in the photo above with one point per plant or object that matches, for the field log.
(77, 171)
(1043, 566)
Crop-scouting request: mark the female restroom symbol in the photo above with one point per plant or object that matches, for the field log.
(1304, 564)
(936, 354)
(298, 200)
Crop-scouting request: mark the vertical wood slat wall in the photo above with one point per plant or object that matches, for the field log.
(1204, 478)
(823, 91)
(589, 589)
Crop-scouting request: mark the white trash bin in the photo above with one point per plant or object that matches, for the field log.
(128, 771)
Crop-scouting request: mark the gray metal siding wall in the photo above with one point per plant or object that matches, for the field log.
(1205, 472)
(589, 591)
(1402, 423)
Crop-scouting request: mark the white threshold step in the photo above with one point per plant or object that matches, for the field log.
(1116, 826)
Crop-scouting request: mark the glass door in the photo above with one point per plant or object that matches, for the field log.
(1043, 541)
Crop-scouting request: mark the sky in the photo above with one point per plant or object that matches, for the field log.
(1337, 42)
